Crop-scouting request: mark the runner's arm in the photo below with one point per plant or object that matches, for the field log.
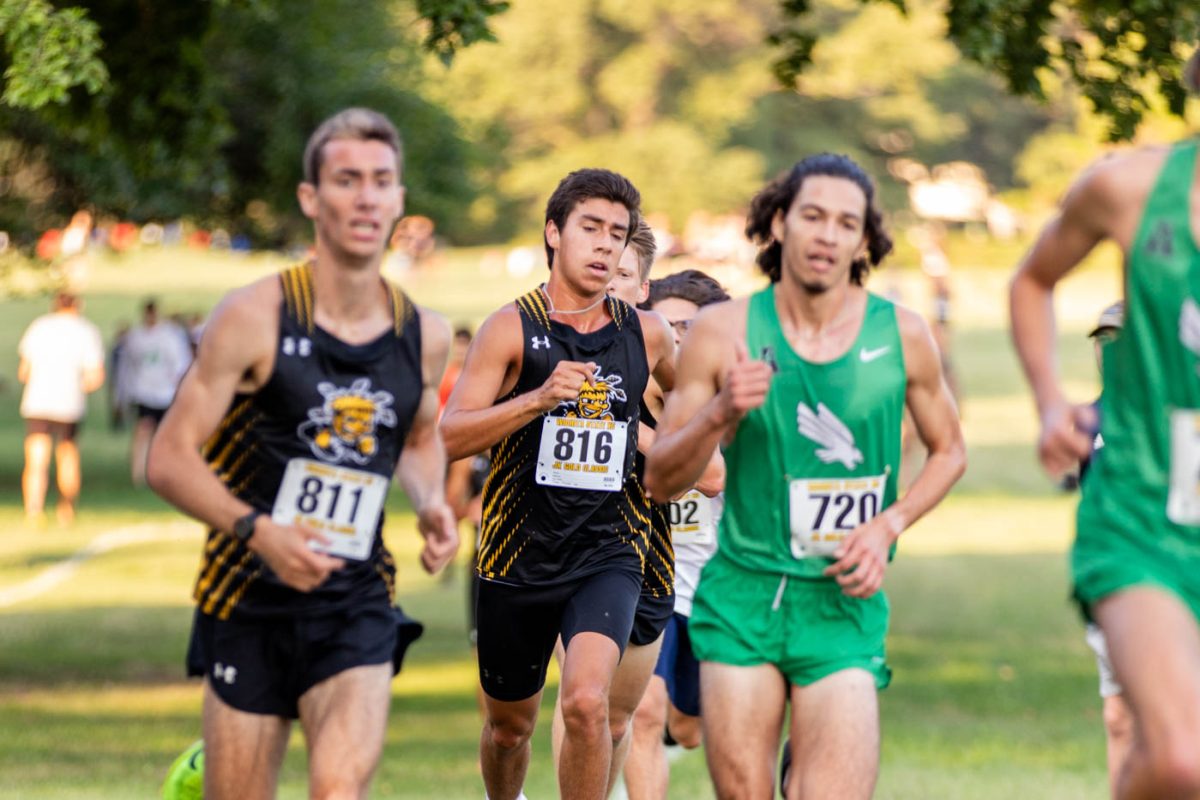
(937, 424)
(861, 558)
(702, 407)
(660, 348)
(1080, 225)
(1087, 216)
(473, 421)
(422, 466)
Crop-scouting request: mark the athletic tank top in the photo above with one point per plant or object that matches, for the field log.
(322, 436)
(658, 576)
(821, 455)
(563, 499)
(1145, 481)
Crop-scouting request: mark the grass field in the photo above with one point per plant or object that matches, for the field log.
(994, 694)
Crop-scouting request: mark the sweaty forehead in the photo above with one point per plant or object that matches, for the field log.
(832, 194)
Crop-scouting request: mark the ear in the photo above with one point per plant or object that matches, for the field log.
(777, 226)
(400, 206)
(863, 250)
(643, 292)
(553, 239)
(306, 193)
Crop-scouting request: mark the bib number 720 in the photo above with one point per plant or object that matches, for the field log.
(823, 510)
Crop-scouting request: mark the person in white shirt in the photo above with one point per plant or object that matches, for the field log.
(158, 354)
(61, 361)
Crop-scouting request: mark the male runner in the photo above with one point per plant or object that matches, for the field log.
(790, 607)
(310, 390)
(671, 701)
(631, 284)
(1136, 558)
(552, 384)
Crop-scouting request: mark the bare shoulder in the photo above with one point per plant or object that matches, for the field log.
(435, 329)
(251, 311)
(1120, 179)
(500, 333)
(654, 324)
(920, 350)
(723, 317)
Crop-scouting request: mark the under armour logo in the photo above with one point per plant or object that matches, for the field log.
(538, 344)
(224, 672)
(292, 346)
(1162, 240)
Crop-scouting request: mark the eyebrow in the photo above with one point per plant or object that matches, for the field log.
(823, 210)
(358, 173)
(602, 221)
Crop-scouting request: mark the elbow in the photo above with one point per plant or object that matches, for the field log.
(158, 468)
(452, 440)
(958, 460)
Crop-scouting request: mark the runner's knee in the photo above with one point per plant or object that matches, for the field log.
(585, 709)
(510, 732)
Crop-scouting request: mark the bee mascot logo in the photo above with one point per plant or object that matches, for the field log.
(596, 397)
(343, 427)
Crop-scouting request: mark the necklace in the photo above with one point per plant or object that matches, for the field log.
(554, 310)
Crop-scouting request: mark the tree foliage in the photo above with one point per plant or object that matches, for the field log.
(1119, 53)
(49, 51)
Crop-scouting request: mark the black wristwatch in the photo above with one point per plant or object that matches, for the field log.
(243, 528)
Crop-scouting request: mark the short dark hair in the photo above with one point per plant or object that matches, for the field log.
(779, 195)
(65, 300)
(361, 124)
(691, 285)
(643, 244)
(586, 184)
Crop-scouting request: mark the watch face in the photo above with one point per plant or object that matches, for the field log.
(244, 527)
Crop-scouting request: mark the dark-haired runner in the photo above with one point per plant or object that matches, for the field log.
(552, 384)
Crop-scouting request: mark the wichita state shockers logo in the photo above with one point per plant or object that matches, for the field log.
(344, 427)
(596, 397)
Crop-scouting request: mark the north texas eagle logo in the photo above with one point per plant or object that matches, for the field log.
(343, 428)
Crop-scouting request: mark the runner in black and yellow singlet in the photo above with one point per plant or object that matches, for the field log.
(310, 391)
(552, 385)
(1136, 559)
(804, 383)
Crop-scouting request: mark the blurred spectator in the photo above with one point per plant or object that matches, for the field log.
(49, 245)
(458, 354)
(61, 361)
(159, 354)
(119, 375)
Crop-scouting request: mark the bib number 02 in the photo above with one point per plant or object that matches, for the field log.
(579, 453)
(691, 518)
(823, 510)
(341, 503)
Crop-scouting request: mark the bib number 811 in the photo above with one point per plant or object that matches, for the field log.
(309, 499)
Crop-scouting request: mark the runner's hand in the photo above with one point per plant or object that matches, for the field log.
(287, 550)
(437, 524)
(861, 558)
(746, 385)
(564, 383)
(1066, 437)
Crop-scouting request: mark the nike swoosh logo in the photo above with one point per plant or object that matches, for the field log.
(865, 355)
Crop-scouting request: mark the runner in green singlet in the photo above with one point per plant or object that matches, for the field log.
(806, 383)
(1136, 560)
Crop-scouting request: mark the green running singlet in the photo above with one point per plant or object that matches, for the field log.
(1139, 513)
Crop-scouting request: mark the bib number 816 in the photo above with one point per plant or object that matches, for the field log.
(566, 440)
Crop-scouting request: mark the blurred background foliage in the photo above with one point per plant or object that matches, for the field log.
(161, 111)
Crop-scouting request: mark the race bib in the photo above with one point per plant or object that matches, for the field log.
(343, 504)
(824, 510)
(579, 453)
(1183, 498)
(692, 519)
